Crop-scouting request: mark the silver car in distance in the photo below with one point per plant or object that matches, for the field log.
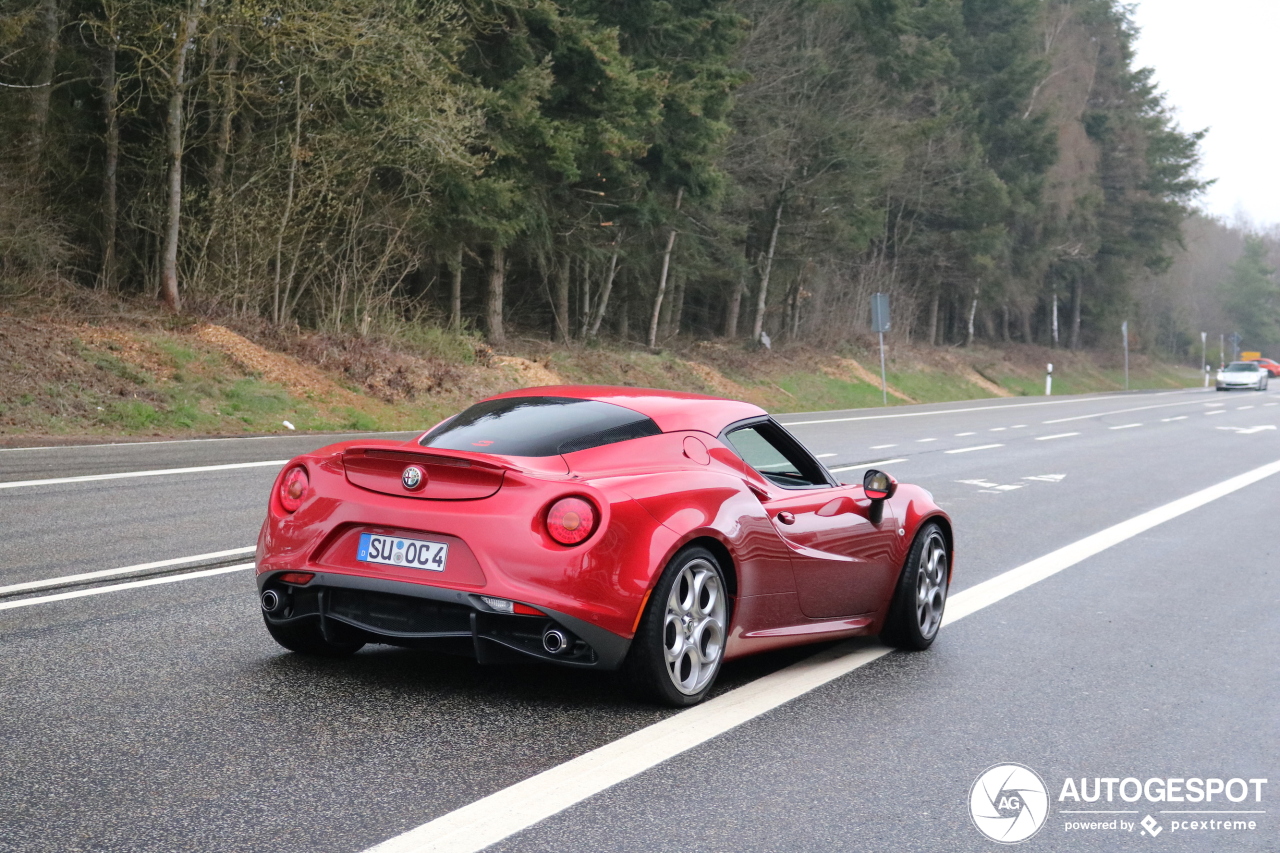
(1243, 374)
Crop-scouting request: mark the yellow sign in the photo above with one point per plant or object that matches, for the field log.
(1250, 356)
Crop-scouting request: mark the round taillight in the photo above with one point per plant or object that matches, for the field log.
(571, 520)
(294, 488)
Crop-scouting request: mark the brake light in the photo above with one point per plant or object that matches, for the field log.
(571, 520)
(294, 488)
(299, 578)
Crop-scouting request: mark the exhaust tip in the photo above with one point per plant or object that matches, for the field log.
(271, 601)
(555, 641)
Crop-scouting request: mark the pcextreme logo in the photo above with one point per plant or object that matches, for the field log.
(1009, 803)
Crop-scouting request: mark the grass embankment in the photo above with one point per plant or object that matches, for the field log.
(153, 375)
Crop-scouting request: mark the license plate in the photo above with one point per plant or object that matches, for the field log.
(394, 551)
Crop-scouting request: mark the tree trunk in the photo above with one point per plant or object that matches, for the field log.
(49, 17)
(763, 295)
(110, 206)
(455, 291)
(562, 298)
(294, 149)
(169, 256)
(624, 316)
(1004, 322)
(607, 289)
(584, 303)
(1025, 315)
(677, 306)
(933, 318)
(222, 149)
(973, 310)
(1077, 294)
(497, 278)
(735, 307)
(662, 280)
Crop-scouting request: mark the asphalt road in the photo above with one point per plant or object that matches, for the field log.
(163, 718)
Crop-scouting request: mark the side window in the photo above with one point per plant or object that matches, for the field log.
(777, 456)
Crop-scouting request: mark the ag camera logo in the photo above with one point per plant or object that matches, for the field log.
(1008, 803)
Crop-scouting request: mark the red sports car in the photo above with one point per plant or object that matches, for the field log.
(611, 528)
(1268, 365)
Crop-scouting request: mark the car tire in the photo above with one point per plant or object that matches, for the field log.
(306, 638)
(915, 614)
(679, 645)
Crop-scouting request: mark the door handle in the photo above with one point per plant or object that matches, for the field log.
(786, 518)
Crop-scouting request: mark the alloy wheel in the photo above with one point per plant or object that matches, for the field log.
(693, 630)
(931, 585)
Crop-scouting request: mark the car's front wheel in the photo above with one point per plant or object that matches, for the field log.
(679, 645)
(306, 638)
(916, 611)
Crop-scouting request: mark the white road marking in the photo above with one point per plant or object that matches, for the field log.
(1018, 426)
(1048, 478)
(998, 429)
(99, 590)
(882, 446)
(976, 409)
(1178, 418)
(1123, 411)
(201, 440)
(925, 440)
(1217, 412)
(1249, 430)
(1242, 408)
(825, 455)
(988, 486)
(513, 809)
(968, 449)
(865, 465)
(18, 484)
(1059, 435)
(963, 434)
(1215, 404)
(1125, 426)
(106, 573)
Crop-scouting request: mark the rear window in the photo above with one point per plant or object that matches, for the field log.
(539, 426)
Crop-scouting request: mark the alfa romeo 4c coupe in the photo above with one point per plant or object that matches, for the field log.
(652, 532)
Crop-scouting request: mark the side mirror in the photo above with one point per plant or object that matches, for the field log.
(878, 486)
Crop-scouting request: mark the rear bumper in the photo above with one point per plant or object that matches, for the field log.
(397, 613)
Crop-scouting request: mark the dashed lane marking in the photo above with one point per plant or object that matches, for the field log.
(1125, 426)
(970, 449)
(1058, 435)
(865, 465)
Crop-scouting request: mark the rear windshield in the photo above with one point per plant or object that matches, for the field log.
(1241, 367)
(539, 426)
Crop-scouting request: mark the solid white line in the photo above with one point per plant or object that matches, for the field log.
(1059, 435)
(18, 484)
(518, 807)
(81, 593)
(219, 438)
(1125, 426)
(979, 447)
(1121, 412)
(106, 573)
(973, 409)
(865, 465)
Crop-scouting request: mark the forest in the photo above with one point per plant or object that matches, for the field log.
(623, 170)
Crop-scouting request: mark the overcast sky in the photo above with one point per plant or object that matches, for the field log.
(1217, 63)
